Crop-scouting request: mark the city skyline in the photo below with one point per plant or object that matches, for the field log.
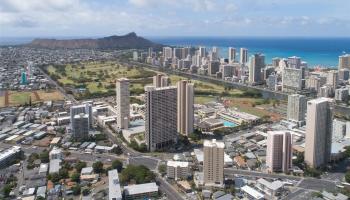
(174, 18)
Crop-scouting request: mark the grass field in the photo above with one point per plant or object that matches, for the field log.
(20, 98)
(2, 101)
(17, 98)
(99, 77)
(203, 99)
(250, 105)
(201, 86)
(50, 96)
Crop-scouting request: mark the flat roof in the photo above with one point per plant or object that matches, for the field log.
(41, 191)
(213, 143)
(87, 170)
(12, 137)
(252, 192)
(43, 168)
(54, 165)
(271, 185)
(141, 188)
(55, 140)
(115, 192)
(177, 164)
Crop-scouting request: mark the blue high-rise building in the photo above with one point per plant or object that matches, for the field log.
(23, 78)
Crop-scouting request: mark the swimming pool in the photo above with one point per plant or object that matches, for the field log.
(228, 124)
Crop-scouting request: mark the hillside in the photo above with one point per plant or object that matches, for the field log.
(128, 41)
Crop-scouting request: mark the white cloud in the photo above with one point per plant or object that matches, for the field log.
(80, 17)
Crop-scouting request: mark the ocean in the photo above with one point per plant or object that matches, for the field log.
(323, 52)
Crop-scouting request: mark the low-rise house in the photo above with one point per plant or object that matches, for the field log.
(270, 188)
(330, 196)
(56, 153)
(178, 170)
(141, 191)
(86, 171)
(251, 193)
(114, 185)
(43, 168)
(41, 192)
(54, 166)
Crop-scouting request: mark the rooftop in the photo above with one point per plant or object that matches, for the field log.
(213, 143)
(177, 164)
(252, 192)
(140, 188)
(9, 152)
(87, 170)
(271, 185)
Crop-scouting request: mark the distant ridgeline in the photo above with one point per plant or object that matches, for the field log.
(128, 41)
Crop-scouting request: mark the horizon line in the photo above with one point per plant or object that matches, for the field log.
(176, 36)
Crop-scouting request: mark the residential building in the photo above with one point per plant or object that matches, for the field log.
(251, 193)
(161, 117)
(8, 155)
(294, 62)
(344, 74)
(339, 129)
(231, 55)
(83, 108)
(202, 52)
(114, 190)
(213, 67)
(272, 189)
(167, 52)
(178, 170)
(227, 70)
(333, 78)
(185, 110)
(271, 81)
(185, 52)
(56, 153)
(318, 132)
(135, 56)
(54, 166)
(344, 61)
(213, 163)
(256, 63)
(160, 80)
(150, 52)
(276, 62)
(243, 56)
(141, 191)
(325, 91)
(279, 151)
(342, 95)
(123, 103)
(80, 127)
(292, 79)
(296, 109)
(177, 53)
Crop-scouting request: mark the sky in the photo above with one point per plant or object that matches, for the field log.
(92, 18)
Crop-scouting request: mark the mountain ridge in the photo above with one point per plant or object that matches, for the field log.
(127, 41)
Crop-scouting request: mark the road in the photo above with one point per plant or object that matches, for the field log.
(229, 171)
(149, 162)
(61, 89)
(171, 192)
(305, 183)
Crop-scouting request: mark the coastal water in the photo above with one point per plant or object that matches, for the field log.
(323, 52)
